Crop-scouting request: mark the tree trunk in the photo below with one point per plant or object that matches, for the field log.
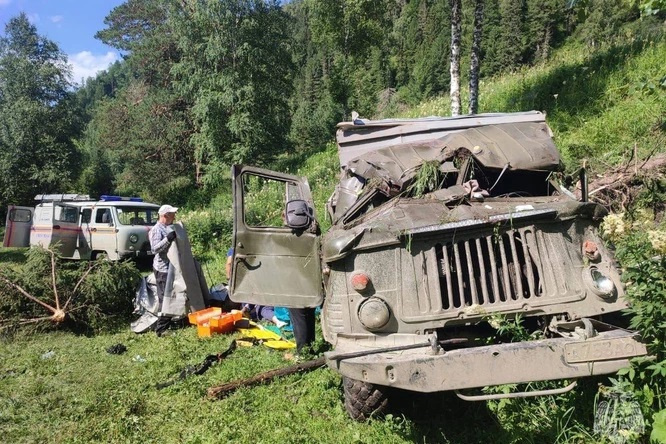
(224, 389)
(475, 62)
(456, 30)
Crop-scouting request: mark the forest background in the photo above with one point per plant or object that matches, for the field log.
(208, 83)
(204, 84)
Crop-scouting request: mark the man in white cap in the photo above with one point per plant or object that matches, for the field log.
(161, 237)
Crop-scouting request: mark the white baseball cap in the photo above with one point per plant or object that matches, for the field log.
(165, 209)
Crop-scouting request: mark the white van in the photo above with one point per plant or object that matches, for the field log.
(113, 227)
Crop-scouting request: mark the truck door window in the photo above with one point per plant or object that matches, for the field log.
(66, 214)
(20, 215)
(264, 200)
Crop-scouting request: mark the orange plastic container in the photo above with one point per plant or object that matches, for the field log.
(224, 323)
(203, 316)
(204, 330)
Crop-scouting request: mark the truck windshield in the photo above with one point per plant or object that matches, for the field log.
(136, 215)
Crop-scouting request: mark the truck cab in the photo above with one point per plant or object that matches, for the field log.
(442, 227)
(113, 227)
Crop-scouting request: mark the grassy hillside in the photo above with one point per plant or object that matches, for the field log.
(599, 103)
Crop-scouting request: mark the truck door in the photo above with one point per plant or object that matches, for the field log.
(17, 226)
(274, 263)
(65, 228)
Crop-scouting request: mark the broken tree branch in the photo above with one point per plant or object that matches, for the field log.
(224, 389)
(76, 287)
(28, 295)
(53, 278)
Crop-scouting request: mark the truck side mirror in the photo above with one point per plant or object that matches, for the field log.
(298, 214)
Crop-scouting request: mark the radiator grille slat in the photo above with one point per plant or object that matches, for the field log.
(503, 268)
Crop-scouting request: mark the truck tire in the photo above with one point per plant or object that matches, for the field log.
(363, 400)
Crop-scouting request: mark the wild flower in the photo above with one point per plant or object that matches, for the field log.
(614, 227)
(658, 240)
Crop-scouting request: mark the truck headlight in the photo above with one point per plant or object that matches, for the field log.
(133, 238)
(599, 282)
(373, 313)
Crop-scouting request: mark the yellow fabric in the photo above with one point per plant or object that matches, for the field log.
(270, 339)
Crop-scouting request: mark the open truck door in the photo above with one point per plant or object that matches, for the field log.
(276, 241)
(17, 226)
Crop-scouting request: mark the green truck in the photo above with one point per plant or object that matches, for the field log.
(441, 228)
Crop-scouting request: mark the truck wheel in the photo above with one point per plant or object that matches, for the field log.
(363, 400)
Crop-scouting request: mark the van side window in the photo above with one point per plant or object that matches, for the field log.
(86, 213)
(66, 214)
(20, 215)
(103, 216)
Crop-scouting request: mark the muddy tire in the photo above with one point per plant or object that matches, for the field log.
(363, 400)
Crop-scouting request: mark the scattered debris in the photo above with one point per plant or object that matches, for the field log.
(201, 368)
(117, 349)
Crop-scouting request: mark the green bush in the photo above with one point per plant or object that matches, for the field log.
(641, 249)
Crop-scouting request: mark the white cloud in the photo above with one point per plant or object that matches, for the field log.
(5, 2)
(86, 64)
(33, 18)
(55, 18)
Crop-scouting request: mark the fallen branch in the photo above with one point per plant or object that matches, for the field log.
(619, 186)
(224, 389)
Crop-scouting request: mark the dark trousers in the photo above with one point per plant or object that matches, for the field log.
(161, 279)
(303, 322)
(162, 322)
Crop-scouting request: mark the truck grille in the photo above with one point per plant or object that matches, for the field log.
(514, 266)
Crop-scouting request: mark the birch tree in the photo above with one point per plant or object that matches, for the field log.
(456, 31)
(475, 59)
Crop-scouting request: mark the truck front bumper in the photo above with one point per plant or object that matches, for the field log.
(548, 359)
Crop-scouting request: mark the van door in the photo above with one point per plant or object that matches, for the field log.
(17, 226)
(84, 247)
(273, 264)
(65, 229)
(101, 233)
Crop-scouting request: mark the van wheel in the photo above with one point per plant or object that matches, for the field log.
(363, 400)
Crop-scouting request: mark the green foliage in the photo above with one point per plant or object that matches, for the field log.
(236, 71)
(96, 299)
(658, 434)
(428, 178)
(140, 138)
(209, 230)
(641, 248)
(37, 117)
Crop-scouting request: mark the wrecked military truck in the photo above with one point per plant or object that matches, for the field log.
(442, 227)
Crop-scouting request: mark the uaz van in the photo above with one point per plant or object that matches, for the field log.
(113, 227)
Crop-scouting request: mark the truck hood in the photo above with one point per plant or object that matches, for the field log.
(402, 217)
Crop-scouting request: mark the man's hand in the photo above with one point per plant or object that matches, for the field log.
(171, 236)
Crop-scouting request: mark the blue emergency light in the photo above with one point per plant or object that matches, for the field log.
(108, 198)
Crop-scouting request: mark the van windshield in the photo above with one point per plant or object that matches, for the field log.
(128, 215)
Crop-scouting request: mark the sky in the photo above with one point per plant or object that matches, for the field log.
(71, 24)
